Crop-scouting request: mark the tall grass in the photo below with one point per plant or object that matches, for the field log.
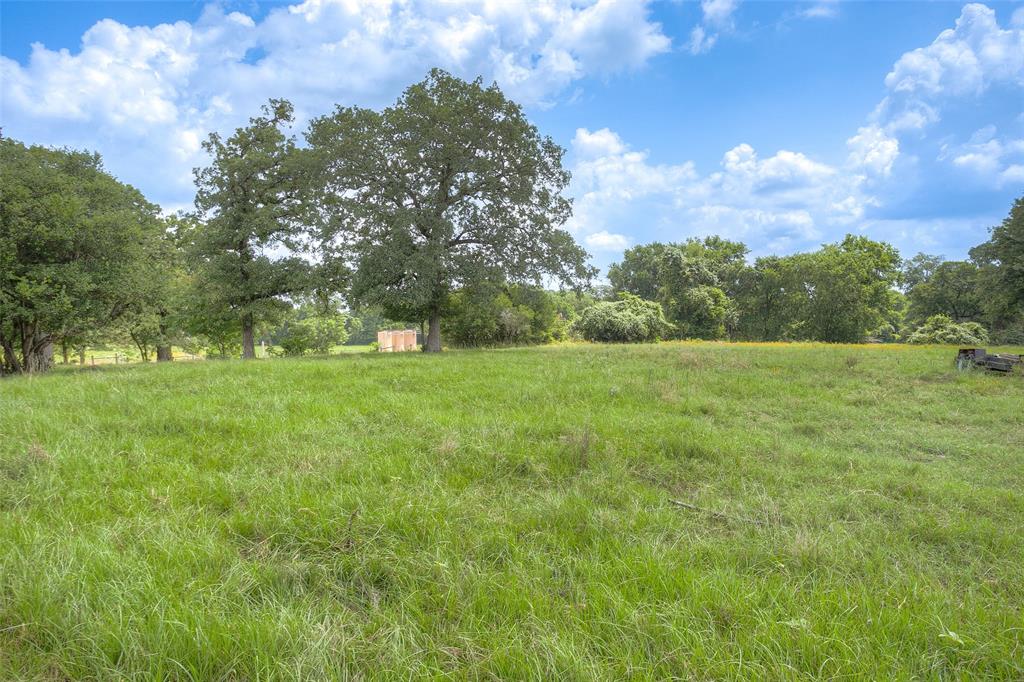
(695, 511)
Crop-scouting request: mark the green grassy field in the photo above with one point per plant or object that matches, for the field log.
(854, 511)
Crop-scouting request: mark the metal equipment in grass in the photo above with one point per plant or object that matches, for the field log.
(977, 358)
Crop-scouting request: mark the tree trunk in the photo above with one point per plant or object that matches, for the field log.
(143, 349)
(81, 356)
(11, 361)
(47, 353)
(163, 349)
(40, 358)
(64, 351)
(434, 333)
(248, 342)
(36, 350)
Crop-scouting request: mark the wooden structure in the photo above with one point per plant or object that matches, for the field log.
(396, 340)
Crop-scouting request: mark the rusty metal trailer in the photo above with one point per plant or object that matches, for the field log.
(969, 358)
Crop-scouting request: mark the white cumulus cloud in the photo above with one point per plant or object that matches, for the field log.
(962, 60)
(606, 241)
(873, 150)
(138, 94)
(961, 65)
(601, 142)
(779, 202)
(988, 158)
(717, 18)
(718, 12)
(826, 9)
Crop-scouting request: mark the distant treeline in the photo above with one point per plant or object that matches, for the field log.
(394, 212)
(852, 291)
(445, 212)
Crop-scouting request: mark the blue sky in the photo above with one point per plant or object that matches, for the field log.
(785, 125)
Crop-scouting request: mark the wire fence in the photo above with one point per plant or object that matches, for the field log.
(92, 359)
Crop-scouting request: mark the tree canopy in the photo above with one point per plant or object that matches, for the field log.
(73, 247)
(251, 204)
(1001, 260)
(449, 187)
(447, 206)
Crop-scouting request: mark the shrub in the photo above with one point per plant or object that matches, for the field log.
(502, 316)
(886, 333)
(629, 320)
(294, 338)
(311, 329)
(942, 329)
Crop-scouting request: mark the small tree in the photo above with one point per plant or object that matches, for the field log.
(628, 320)
(449, 187)
(918, 269)
(639, 272)
(153, 319)
(951, 288)
(251, 204)
(315, 326)
(768, 296)
(691, 295)
(846, 290)
(513, 314)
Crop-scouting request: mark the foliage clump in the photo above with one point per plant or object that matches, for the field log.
(74, 245)
(628, 320)
(688, 279)
(942, 329)
(312, 327)
(515, 314)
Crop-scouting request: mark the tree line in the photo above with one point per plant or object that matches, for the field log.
(852, 291)
(444, 210)
(393, 211)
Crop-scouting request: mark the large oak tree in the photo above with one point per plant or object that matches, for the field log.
(448, 187)
(73, 244)
(251, 203)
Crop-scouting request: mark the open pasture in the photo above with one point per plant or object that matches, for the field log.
(692, 511)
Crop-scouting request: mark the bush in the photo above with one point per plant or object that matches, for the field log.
(629, 320)
(218, 349)
(293, 339)
(311, 329)
(942, 329)
(886, 333)
(502, 316)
